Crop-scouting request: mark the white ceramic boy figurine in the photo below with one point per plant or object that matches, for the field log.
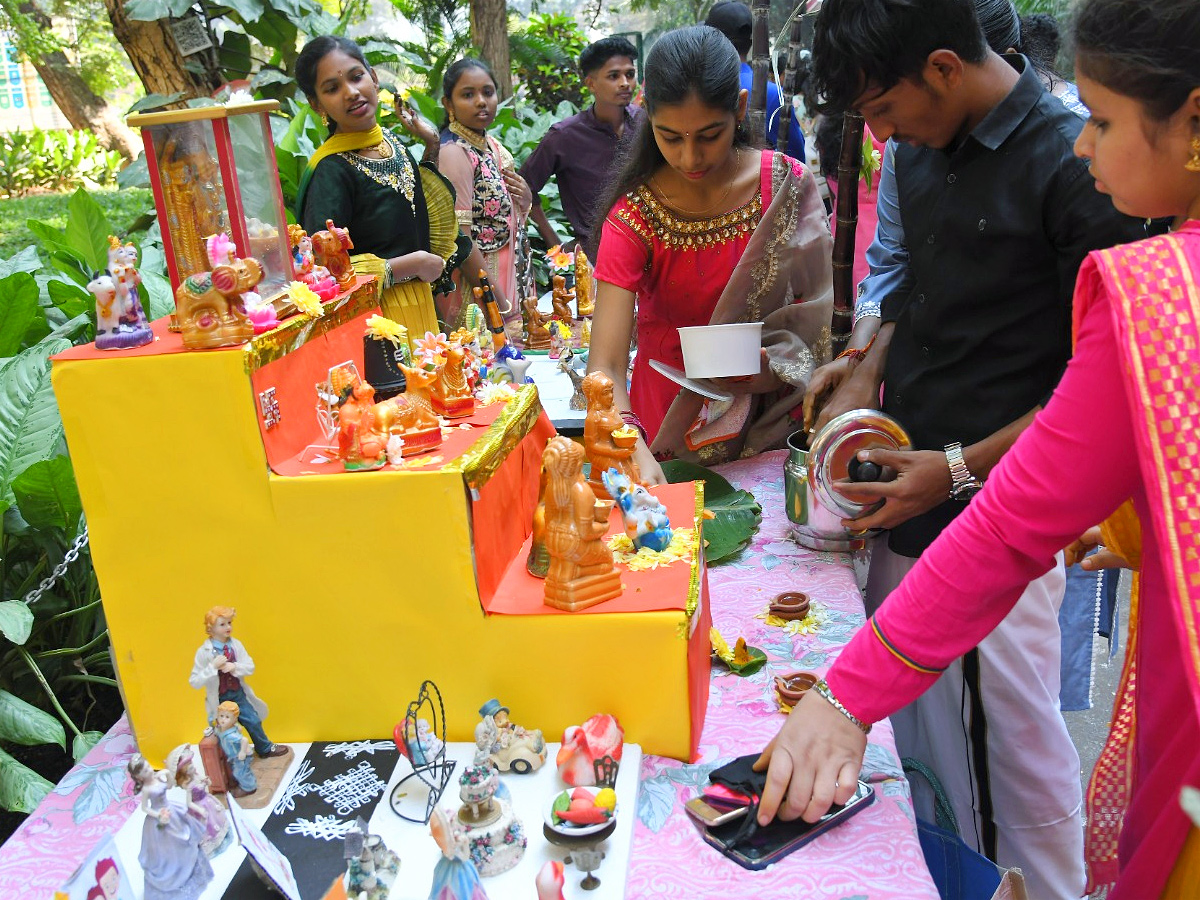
(220, 670)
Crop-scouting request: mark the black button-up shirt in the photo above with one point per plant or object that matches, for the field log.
(996, 228)
(580, 151)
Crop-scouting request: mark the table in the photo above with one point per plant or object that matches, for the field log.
(554, 392)
(875, 854)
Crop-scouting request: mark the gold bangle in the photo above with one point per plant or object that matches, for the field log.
(823, 689)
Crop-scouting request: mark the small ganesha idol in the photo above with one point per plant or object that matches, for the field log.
(120, 320)
(645, 517)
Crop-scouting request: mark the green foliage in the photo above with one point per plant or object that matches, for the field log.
(121, 207)
(546, 60)
(737, 514)
(55, 643)
(54, 160)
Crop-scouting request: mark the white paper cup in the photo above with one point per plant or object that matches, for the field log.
(721, 351)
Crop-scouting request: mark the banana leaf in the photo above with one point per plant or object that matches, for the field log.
(736, 514)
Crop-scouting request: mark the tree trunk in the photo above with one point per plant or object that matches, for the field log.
(849, 172)
(83, 108)
(489, 34)
(151, 49)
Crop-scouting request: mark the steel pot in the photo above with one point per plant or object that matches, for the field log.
(813, 506)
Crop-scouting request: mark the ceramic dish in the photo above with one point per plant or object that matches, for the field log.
(566, 828)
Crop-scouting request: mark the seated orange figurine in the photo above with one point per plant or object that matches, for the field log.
(411, 415)
(331, 249)
(362, 445)
(560, 298)
(608, 441)
(537, 336)
(452, 396)
(582, 572)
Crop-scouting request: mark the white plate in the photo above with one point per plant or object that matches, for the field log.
(566, 828)
(701, 386)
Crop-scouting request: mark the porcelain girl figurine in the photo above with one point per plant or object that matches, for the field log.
(220, 669)
(455, 876)
(203, 806)
(174, 865)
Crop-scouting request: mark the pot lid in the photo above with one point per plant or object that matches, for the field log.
(834, 447)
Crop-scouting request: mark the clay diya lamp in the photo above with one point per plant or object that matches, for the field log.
(790, 605)
(602, 509)
(791, 687)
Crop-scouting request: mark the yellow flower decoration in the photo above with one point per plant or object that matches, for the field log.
(306, 299)
(561, 260)
(386, 330)
(681, 549)
(720, 647)
(564, 330)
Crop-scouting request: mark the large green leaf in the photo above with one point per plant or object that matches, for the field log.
(16, 622)
(70, 298)
(153, 101)
(82, 743)
(47, 495)
(18, 310)
(25, 261)
(88, 229)
(23, 723)
(736, 514)
(30, 427)
(21, 788)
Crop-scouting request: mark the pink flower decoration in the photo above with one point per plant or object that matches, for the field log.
(491, 207)
(487, 234)
(432, 348)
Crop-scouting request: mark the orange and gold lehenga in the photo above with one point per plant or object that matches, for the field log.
(1123, 423)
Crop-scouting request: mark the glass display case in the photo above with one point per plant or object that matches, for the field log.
(212, 169)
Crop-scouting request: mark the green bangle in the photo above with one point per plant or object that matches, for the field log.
(823, 689)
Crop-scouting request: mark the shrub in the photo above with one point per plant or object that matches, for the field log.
(54, 161)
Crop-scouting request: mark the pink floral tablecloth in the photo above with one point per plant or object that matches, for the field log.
(875, 855)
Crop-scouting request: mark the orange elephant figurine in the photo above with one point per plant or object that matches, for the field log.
(331, 249)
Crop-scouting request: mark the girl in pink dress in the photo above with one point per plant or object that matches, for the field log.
(1121, 425)
(702, 229)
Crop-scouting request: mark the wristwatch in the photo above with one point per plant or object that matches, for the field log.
(964, 485)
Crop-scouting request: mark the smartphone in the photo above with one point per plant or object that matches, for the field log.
(710, 815)
(771, 843)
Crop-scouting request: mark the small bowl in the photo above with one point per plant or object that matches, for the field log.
(790, 605)
(625, 438)
(721, 351)
(791, 686)
(567, 828)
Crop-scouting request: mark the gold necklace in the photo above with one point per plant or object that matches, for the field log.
(474, 138)
(737, 167)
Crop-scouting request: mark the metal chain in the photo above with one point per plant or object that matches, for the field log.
(48, 582)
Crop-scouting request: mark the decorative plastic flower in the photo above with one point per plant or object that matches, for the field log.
(387, 330)
(432, 348)
(306, 299)
(562, 260)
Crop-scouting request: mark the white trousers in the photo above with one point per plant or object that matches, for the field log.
(991, 730)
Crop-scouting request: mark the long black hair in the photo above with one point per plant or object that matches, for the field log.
(1147, 51)
(312, 54)
(697, 61)
(450, 80)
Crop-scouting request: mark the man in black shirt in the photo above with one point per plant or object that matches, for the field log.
(998, 215)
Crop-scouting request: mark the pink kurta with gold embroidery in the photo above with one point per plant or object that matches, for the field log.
(1122, 423)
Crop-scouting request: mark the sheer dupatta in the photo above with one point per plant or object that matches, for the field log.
(785, 280)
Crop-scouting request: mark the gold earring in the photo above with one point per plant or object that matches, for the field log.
(450, 115)
(1193, 164)
(325, 120)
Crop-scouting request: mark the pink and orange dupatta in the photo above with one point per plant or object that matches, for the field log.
(1154, 289)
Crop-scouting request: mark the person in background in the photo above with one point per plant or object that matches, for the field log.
(1041, 42)
(735, 21)
(363, 178)
(1138, 333)
(492, 201)
(580, 149)
(998, 215)
(702, 230)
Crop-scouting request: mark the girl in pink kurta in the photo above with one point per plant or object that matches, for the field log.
(702, 229)
(1122, 424)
